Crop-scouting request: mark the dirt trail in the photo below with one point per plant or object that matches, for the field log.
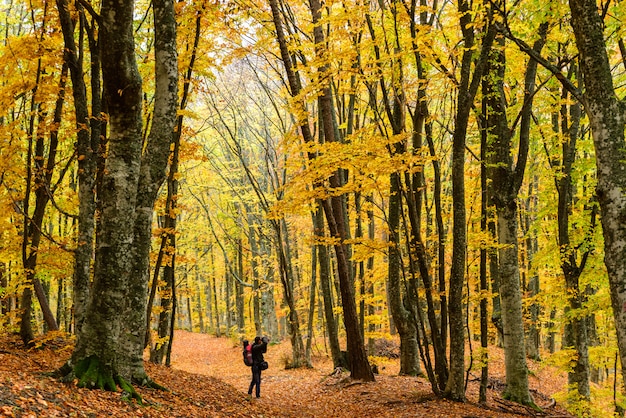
(312, 392)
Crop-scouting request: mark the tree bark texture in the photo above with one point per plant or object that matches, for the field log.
(99, 341)
(607, 118)
(85, 141)
(576, 329)
(506, 180)
(326, 289)
(151, 176)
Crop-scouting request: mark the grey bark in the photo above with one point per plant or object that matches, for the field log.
(607, 119)
(151, 176)
(455, 386)
(507, 179)
(572, 266)
(99, 337)
(533, 342)
(86, 147)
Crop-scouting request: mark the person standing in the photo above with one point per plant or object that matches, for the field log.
(259, 347)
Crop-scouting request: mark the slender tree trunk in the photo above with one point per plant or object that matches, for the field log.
(403, 315)
(286, 277)
(484, 283)
(34, 226)
(239, 301)
(334, 211)
(86, 141)
(576, 327)
(533, 342)
(455, 387)
(254, 264)
(311, 312)
(216, 312)
(326, 288)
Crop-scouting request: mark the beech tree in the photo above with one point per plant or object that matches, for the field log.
(507, 178)
(110, 342)
(608, 120)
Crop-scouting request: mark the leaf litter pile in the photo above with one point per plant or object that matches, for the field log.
(208, 379)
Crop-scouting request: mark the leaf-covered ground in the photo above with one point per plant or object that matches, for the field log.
(208, 379)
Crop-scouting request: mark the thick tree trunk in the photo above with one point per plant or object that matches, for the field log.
(96, 357)
(505, 198)
(151, 177)
(607, 118)
(510, 295)
(507, 179)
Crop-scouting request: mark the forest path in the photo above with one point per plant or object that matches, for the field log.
(312, 392)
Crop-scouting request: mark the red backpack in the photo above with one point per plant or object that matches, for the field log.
(247, 355)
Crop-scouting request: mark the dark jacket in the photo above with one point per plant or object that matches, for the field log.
(257, 351)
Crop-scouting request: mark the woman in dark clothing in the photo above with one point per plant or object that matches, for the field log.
(258, 348)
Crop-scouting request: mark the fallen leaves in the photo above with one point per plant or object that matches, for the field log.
(208, 379)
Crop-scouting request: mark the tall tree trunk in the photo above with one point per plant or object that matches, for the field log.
(34, 226)
(216, 312)
(286, 278)
(484, 286)
(403, 316)
(576, 335)
(505, 199)
(96, 357)
(239, 300)
(607, 119)
(254, 265)
(455, 387)
(334, 211)
(533, 342)
(151, 176)
(507, 180)
(311, 310)
(87, 141)
(326, 288)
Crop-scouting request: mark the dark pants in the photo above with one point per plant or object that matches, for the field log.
(256, 380)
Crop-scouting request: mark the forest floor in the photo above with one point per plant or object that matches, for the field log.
(208, 379)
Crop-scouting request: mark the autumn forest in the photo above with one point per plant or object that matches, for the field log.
(446, 175)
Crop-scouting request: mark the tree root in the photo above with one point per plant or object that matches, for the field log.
(528, 404)
(92, 374)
